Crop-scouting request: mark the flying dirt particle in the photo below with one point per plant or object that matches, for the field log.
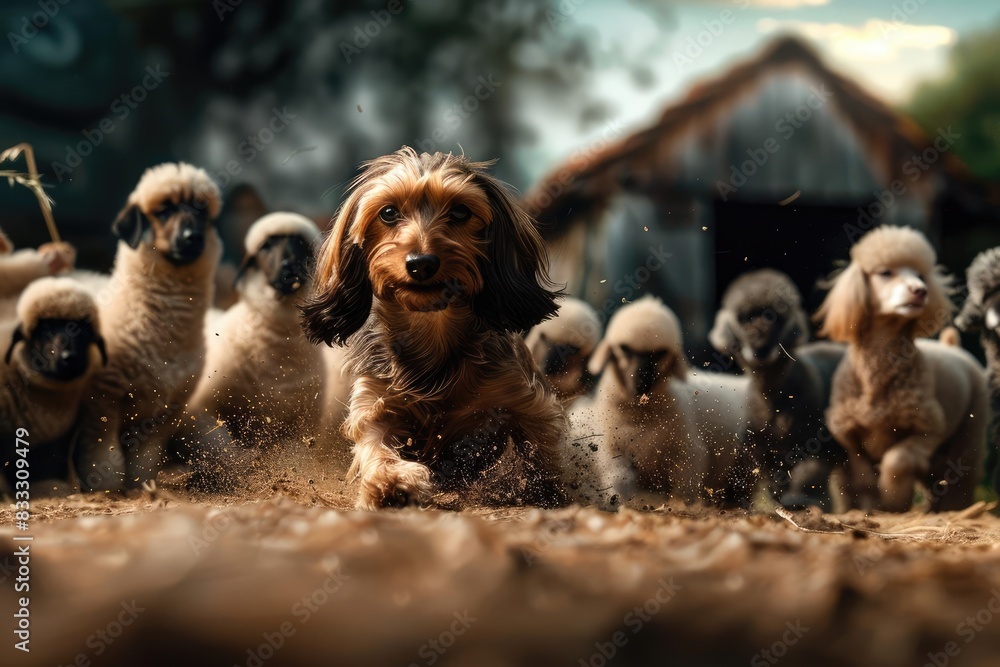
(644, 399)
(704, 229)
(359, 108)
(303, 149)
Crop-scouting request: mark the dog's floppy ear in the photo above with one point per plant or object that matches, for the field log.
(723, 336)
(970, 319)
(517, 293)
(102, 348)
(130, 225)
(939, 309)
(846, 308)
(341, 299)
(248, 262)
(17, 338)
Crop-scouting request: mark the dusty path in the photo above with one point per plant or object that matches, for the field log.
(209, 581)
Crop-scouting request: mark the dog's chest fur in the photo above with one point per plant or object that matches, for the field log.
(881, 396)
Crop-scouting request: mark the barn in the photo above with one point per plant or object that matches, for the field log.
(778, 162)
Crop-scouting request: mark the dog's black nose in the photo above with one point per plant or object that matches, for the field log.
(422, 267)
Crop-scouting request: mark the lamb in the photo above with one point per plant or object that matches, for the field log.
(18, 269)
(666, 429)
(261, 376)
(562, 347)
(762, 325)
(55, 348)
(916, 409)
(161, 288)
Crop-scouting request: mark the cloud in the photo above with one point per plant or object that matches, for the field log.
(874, 41)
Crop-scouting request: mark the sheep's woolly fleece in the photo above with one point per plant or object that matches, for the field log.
(983, 274)
(176, 182)
(575, 323)
(55, 298)
(280, 224)
(647, 325)
(890, 247)
(761, 289)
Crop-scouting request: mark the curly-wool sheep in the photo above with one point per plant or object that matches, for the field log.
(562, 347)
(160, 290)
(762, 325)
(262, 378)
(53, 349)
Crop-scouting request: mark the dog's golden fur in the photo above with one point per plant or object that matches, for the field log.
(447, 397)
(916, 409)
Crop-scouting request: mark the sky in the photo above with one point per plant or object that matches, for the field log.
(888, 46)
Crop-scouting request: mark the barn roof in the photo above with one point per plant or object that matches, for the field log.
(647, 162)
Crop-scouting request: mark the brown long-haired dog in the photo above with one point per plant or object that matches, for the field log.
(433, 271)
(914, 408)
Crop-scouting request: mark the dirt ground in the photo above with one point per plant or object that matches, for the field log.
(288, 574)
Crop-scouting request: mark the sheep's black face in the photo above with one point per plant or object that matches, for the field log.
(760, 332)
(60, 349)
(991, 312)
(184, 227)
(287, 262)
(641, 372)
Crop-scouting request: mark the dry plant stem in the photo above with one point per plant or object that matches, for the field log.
(35, 185)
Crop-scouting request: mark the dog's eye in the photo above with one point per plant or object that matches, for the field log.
(389, 215)
(885, 273)
(165, 212)
(627, 351)
(460, 213)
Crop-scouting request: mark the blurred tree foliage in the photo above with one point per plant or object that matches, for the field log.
(968, 100)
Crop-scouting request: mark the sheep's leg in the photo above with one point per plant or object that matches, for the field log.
(897, 478)
(861, 481)
(386, 480)
(100, 459)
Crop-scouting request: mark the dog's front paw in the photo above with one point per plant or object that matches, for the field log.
(396, 484)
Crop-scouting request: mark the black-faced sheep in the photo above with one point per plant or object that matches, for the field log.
(562, 347)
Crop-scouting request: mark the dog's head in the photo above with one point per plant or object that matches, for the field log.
(281, 248)
(981, 311)
(562, 346)
(761, 313)
(892, 278)
(642, 349)
(57, 339)
(429, 233)
(171, 210)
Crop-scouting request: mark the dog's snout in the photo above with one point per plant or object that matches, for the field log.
(422, 267)
(918, 288)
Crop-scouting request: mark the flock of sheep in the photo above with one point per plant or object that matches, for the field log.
(113, 375)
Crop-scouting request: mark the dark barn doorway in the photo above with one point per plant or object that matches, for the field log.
(802, 241)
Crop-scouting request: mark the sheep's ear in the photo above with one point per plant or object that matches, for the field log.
(248, 262)
(723, 334)
(599, 359)
(17, 338)
(517, 293)
(130, 225)
(970, 319)
(846, 308)
(102, 348)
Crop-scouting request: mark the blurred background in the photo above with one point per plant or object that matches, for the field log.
(735, 134)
